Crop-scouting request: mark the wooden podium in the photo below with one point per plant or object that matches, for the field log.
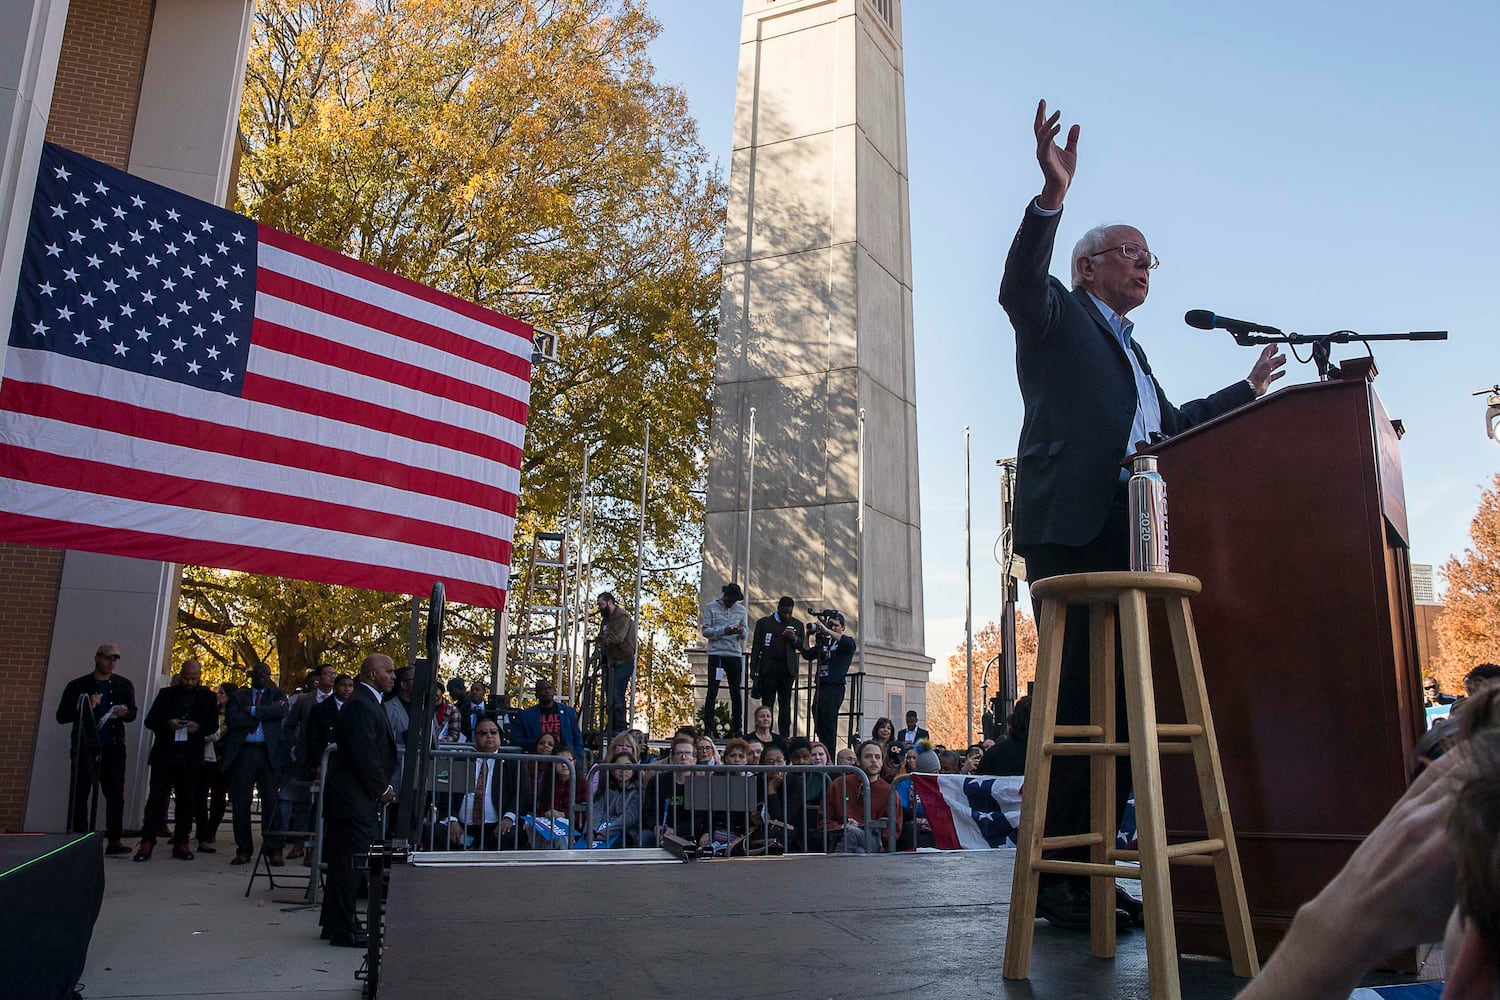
(1291, 512)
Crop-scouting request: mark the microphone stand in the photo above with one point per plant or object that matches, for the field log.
(1322, 346)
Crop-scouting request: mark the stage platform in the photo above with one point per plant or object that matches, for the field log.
(51, 887)
(926, 926)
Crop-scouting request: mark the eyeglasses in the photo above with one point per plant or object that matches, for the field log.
(1132, 252)
(112, 656)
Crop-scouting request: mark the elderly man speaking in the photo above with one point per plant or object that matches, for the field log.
(1090, 399)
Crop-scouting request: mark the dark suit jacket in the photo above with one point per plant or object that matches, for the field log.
(1080, 396)
(360, 770)
(511, 787)
(239, 723)
(196, 704)
(319, 731)
(761, 659)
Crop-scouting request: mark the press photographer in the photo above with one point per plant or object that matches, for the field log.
(832, 649)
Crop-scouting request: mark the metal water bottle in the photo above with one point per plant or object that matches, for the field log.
(1148, 516)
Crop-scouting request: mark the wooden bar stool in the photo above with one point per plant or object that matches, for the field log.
(1110, 597)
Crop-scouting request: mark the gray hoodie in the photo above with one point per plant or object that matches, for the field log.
(717, 618)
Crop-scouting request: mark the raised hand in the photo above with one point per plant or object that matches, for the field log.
(1057, 162)
(1267, 369)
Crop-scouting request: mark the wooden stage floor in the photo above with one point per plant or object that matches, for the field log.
(926, 926)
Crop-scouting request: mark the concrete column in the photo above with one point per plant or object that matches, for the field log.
(815, 324)
(28, 66)
(186, 127)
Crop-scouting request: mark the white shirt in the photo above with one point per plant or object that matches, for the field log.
(466, 811)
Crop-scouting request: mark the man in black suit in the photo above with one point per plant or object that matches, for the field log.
(180, 717)
(255, 753)
(775, 656)
(913, 733)
(357, 785)
(1090, 399)
(320, 723)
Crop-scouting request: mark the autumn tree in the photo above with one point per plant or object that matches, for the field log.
(947, 703)
(520, 154)
(1468, 630)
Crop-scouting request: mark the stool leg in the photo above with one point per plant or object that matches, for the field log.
(1034, 791)
(1102, 777)
(1231, 883)
(1145, 766)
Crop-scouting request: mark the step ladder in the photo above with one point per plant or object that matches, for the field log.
(539, 629)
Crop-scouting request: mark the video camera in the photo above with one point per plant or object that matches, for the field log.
(822, 621)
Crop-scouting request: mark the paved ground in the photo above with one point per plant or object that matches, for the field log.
(184, 929)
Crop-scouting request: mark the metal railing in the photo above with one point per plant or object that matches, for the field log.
(804, 692)
(893, 803)
(451, 774)
(524, 789)
(724, 809)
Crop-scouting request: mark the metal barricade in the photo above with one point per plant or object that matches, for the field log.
(451, 775)
(724, 809)
(892, 804)
(520, 784)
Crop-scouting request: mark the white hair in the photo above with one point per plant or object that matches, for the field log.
(1089, 244)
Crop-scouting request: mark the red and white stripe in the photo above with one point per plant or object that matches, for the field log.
(949, 812)
(377, 441)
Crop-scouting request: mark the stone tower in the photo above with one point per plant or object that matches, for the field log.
(816, 326)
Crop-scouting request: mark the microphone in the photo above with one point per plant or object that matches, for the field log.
(1204, 319)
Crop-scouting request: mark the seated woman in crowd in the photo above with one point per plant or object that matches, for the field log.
(884, 732)
(776, 824)
(844, 801)
(763, 730)
(706, 751)
(729, 825)
(620, 742)
(617, 805)
(803, 796)
(552, 802)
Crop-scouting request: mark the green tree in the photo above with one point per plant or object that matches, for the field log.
(520, 154)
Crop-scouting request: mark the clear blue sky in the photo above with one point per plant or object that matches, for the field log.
(1314, 167)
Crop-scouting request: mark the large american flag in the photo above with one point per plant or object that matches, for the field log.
(183, 384)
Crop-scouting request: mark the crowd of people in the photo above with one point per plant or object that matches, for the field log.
(215, 750)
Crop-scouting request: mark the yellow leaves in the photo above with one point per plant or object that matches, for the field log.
(520, 154)
(1468, 630)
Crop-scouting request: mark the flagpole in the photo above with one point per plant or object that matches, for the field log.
(640, 554)
(968, 598)
(860, 522)
(749, 528)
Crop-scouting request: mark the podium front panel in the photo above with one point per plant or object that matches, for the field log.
(1308, 657)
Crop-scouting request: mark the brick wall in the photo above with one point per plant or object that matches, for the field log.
(99, 77)
(28, 599)
(93, 112)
